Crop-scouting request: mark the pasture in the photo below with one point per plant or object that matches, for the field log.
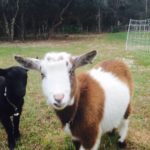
(40, 128)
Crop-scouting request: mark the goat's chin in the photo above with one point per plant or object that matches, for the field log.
(58, 107)
(61, 107)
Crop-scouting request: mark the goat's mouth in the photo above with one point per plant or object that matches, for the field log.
(59, 106)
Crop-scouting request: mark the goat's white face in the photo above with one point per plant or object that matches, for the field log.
(57, 70)
(56, 84)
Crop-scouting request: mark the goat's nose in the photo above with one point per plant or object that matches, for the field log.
(58, 97)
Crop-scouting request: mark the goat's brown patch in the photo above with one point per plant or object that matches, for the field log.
(85, 125)
(120, 70)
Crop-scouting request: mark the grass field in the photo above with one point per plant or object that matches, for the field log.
(40, 127)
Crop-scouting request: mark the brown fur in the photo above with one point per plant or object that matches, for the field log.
(74, 84)
(85, 125)
(128, 111)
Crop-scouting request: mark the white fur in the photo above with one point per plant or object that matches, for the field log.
(52, 57)
(71, 101)
(55, 67)
(123, 129)
(117, 98)
(82, 148)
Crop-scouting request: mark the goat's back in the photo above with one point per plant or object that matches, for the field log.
(115, 80)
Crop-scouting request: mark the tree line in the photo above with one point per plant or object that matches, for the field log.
(42, 19)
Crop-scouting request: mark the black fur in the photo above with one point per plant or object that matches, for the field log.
(14, 79)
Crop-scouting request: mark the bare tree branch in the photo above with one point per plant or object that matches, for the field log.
(57, 24)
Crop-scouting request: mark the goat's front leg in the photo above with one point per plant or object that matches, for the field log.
(16, 121)
(7, 123)
(92, 142)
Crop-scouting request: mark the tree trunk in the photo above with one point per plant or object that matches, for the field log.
(13, 20)
(99, 20)
(22, 27)
(12, 29)
(7, 31)
(146, 8)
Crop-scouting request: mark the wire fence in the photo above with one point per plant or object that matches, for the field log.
(138, 36)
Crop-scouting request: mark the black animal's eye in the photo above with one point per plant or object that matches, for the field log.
(42, 75)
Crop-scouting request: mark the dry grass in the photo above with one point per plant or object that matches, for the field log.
(41, 129)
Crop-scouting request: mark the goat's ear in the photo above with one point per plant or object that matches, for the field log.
(84, 59)
(29, 63)
(3, 72)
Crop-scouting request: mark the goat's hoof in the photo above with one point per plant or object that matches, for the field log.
(12, 146)
(122, 144)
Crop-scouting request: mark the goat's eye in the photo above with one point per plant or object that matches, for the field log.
(42, 75)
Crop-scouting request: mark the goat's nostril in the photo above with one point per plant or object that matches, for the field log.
(58, 97)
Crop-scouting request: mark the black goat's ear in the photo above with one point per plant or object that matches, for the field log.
(3, 72)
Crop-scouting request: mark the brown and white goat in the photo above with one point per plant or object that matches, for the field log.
(89, 104)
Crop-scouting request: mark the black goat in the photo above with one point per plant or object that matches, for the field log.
(13, 82)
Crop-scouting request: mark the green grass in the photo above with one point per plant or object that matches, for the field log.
(119, 36)
(142, 58)
(41, 129)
